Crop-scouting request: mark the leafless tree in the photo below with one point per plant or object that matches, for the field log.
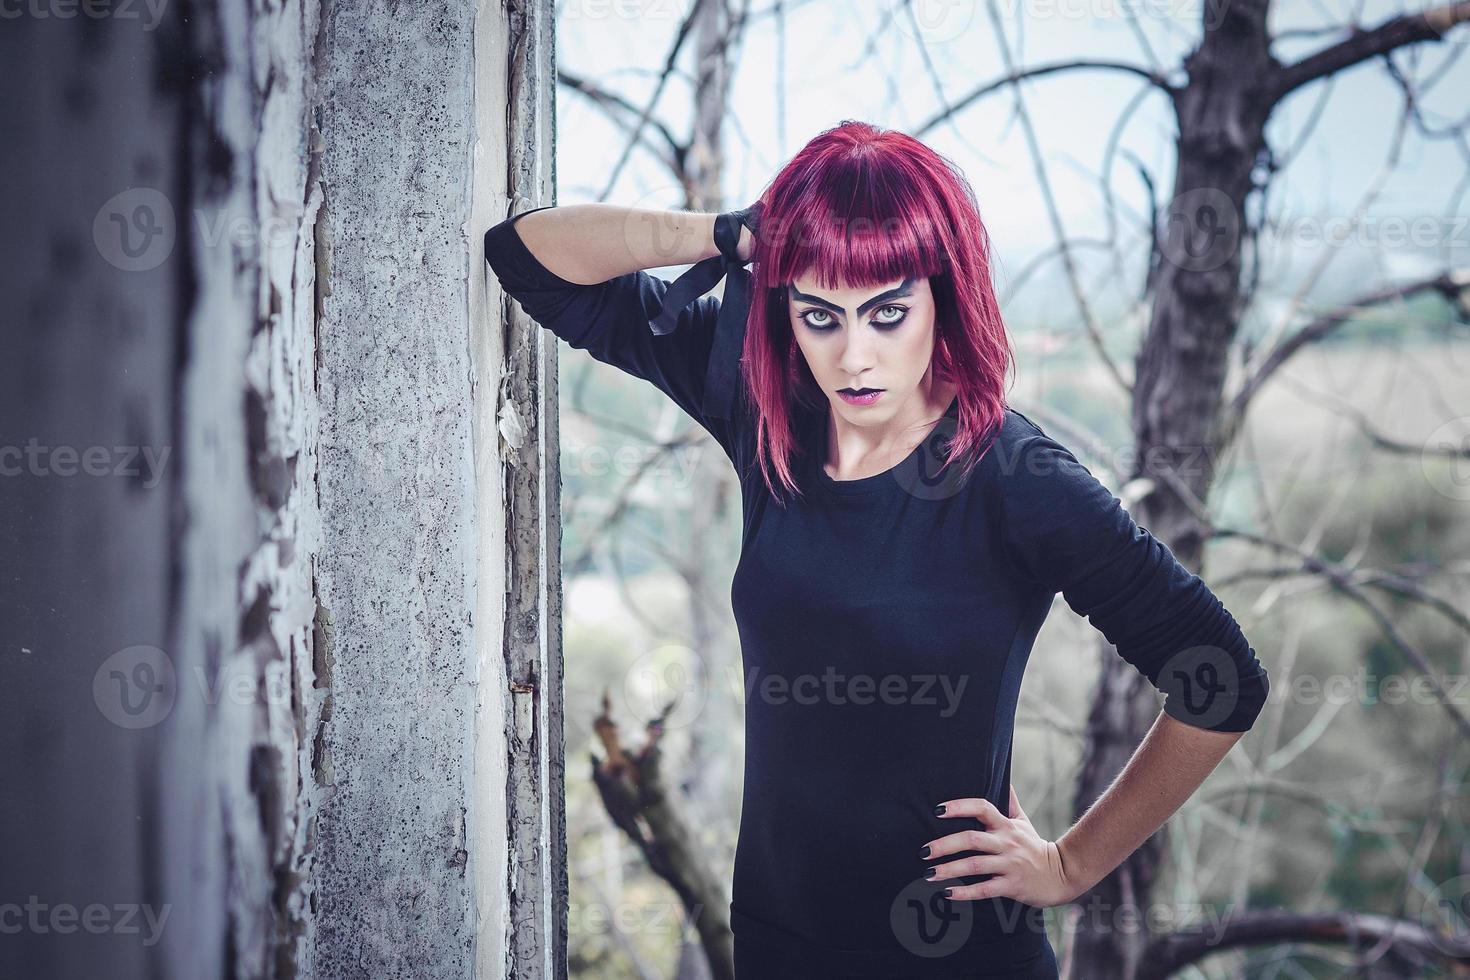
(1184, 418)
(714, 30)
(1188, 407)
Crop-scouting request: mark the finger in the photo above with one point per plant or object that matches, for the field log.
(1016, 812)
(998, 886)
(978, 807)
(964, 840)
(985, 864)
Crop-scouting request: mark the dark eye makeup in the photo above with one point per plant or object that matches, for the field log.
(885, 320)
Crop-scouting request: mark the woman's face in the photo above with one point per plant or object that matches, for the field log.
(868, 337)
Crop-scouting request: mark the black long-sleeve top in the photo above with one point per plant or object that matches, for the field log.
(884, 624)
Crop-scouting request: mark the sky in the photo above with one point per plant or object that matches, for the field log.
(842, 62)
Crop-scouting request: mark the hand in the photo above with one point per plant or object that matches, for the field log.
(745, 247)
(1028, 867)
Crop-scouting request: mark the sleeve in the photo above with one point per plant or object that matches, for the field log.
(1067, 532)
(610, 320)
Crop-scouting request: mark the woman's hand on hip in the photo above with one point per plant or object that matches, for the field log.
(1028, 868)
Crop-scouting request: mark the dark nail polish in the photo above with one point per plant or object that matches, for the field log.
(924, 851)
(949, 893)
(929, 876)
(939, 810)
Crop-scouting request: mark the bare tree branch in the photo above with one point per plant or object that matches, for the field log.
(679, 38)
(640, 802)
(673, 158)
(1448, 284)
(1396, 32)
(1386, 444)
(1169, 953)
(1342, 579)
(1014, 76)
(1355, 214)
(622, 499)
(1089, 321)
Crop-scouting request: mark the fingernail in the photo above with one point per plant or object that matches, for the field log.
(949, 893)
(924, 851)
(939, 810)
(931, 873)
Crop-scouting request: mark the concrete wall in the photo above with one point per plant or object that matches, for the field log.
(262, 693)
(395, 488)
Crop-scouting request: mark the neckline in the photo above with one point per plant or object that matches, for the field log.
(870, 484)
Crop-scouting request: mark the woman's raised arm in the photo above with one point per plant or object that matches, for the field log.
(578, 271)
(592, 243)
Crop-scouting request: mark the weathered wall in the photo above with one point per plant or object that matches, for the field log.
(253, 829)
(165, 695)
(395, 489)
(260, 695)
(488, 818)
(520, 761)
(92, 340)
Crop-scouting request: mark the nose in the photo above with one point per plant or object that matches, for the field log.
(856, 360)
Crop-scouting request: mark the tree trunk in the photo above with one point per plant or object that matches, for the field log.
(1177, 400)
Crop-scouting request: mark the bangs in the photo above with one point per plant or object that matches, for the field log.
(875, 238)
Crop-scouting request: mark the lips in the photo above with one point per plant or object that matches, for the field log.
(862, 396)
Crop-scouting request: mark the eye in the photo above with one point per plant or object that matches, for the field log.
(824, 325)
(888, 317)
(891, 320)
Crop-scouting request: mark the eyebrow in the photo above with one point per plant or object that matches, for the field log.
(904, 288)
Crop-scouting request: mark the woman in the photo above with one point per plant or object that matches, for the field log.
(905, 532)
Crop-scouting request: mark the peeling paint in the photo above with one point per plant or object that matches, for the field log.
(314, 805)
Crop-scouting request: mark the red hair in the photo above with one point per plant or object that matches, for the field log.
(866, 206)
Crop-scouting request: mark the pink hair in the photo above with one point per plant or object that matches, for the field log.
(864, 206)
